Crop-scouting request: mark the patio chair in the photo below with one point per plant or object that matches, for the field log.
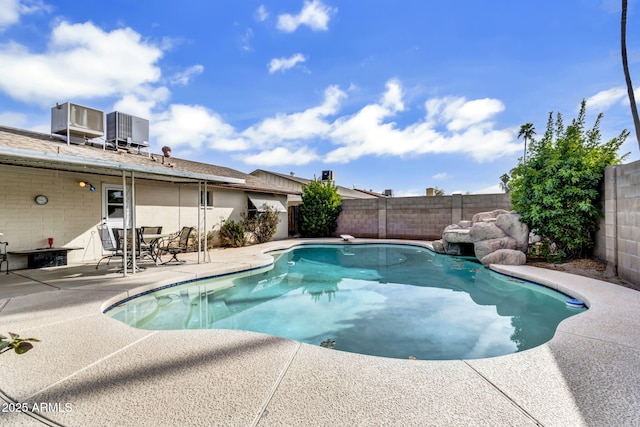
(149, 246)
(175, 244)
(143, 249)
(110, 239)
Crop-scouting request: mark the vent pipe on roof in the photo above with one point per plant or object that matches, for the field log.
(166, 153)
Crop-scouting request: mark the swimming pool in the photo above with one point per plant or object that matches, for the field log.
(400, 301)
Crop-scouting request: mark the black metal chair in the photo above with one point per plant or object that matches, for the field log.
(150, 247)
(111, 244)
(176, 244)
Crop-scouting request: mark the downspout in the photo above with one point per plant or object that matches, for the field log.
(124, 223)
(614, 197)
(134, 231)
(199, 207)
(206, 201)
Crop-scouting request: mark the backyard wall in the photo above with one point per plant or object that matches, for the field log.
(618, 240)
(413, 217)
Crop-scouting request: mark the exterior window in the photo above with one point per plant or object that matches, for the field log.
(209, 198)
(115, 204)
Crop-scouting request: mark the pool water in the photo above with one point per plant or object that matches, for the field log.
(399, 301)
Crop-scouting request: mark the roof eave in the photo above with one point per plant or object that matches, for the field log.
(62, 159)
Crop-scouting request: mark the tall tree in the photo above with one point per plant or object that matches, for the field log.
(527, 131)
(557, 191)
(625, 67)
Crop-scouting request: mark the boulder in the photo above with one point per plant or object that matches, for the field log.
(505, 257)
(457, 236)
(483, 248)
(487, 216)
(438, 246)
(452, 249)
(485, 231)
(495, 237)
(512, 227)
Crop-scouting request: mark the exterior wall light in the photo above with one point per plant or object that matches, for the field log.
(84, 184)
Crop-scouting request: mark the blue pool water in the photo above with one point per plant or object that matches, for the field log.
(396, 301)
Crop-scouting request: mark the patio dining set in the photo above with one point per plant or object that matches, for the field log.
(150, 244)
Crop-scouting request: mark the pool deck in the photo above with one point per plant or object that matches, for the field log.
(92, 370)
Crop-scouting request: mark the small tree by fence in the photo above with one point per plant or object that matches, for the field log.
(321, 206)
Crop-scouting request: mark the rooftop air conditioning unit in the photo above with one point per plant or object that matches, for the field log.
(388, 193)
(76, 121)
(327, 176)
(127, 130)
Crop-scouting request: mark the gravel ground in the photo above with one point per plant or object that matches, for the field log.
(585, 267)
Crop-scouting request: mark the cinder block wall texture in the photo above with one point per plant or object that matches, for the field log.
(618, 240)
(413, 217)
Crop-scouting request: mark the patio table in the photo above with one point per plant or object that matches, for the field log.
(153, 240)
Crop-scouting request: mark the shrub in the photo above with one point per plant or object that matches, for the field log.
(232, 234)
(263, 225)
(193, 240)
(557, 188)
(321, 206)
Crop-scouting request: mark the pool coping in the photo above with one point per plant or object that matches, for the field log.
(261, 380)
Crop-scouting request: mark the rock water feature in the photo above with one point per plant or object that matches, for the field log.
(495, 237)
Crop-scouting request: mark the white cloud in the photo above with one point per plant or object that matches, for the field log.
(494, 189)
(282, 64)
(143, 101)
(441, 176)
(282, 156)
(468, 131)
(192, 126)
(81, 61)
(183, 77)
(412, 192)
(261, 13)
(245, 40)
(307, 124)
(314, 14)
(392, 98)
(12, 10)
(458, 113)
(603, 100)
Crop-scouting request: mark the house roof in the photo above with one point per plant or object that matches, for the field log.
(370, 192)
(33, 149)
(344, 192)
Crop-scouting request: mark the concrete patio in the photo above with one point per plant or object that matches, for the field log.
(91, 370)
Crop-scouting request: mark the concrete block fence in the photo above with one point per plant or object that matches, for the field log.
(618, 240)
(422, 217)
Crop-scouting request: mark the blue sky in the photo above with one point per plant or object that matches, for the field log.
(398, 95)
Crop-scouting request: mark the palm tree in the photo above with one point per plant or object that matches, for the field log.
(527, 130)
(625, 67)
(504, 183)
